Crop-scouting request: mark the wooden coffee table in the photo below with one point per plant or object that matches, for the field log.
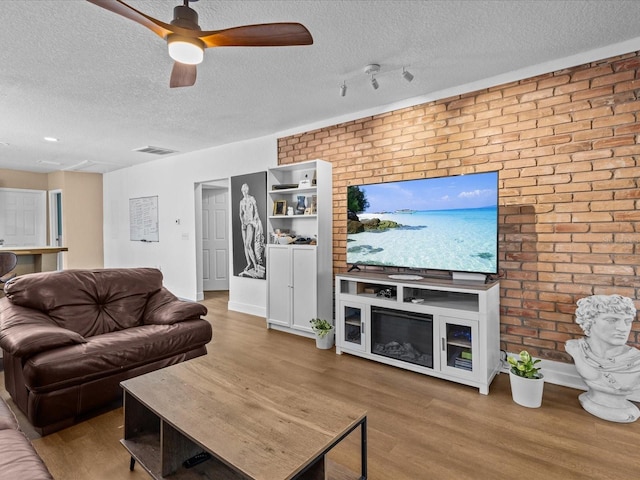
(252, 429)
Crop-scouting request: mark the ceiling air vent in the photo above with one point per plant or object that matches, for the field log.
(154, 150)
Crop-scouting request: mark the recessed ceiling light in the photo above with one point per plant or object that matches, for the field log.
(51, 139)
(48, 162)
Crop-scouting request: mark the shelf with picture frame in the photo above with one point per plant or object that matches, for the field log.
(309, 181)
(299, 231)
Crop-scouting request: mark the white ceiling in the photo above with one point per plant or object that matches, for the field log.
(100, 82)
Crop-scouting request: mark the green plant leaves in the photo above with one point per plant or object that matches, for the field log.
(320, 327)
(525, 366)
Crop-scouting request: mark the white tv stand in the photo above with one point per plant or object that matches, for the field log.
(443, 328)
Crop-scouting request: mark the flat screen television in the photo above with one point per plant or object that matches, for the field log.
(445, 223)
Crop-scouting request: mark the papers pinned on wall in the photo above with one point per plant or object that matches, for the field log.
(143, 219)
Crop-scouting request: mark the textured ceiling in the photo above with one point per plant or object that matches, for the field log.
(100, 82)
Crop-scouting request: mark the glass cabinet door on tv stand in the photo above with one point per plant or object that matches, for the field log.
(351, 317)
(458, 343)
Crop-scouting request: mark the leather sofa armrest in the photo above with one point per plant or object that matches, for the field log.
(25, 331)
(164, 308)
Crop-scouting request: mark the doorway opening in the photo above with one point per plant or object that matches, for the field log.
(212, 236)
(55, 222)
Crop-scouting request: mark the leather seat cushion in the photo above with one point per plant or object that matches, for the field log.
(102, 355)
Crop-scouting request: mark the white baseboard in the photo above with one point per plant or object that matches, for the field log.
(248, 309)
(563, 374)
(300, 333)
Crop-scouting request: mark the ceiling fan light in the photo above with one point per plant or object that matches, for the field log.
(189, 51)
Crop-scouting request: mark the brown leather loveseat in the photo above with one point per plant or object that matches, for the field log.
(70, 337)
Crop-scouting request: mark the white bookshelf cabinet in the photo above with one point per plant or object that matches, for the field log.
(300, 276)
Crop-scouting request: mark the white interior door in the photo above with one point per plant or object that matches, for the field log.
(215, 239)
(23, 217)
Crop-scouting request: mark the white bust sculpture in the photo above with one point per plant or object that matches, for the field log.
(609, 367)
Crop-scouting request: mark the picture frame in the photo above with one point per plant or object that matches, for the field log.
(280, 207)
(249, 211)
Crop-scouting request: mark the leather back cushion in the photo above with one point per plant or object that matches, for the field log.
(89, 302)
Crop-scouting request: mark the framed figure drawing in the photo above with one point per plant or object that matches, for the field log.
(249, 214)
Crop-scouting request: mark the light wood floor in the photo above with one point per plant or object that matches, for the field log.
(419, 427)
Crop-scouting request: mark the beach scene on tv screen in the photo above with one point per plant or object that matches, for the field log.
(448, 223)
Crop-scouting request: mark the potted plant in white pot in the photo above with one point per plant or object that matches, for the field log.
(324, 333)
(527, 383)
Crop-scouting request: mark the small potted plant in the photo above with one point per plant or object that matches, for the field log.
(527, 383)
(324, 333)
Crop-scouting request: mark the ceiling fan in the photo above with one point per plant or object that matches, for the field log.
(186, 41)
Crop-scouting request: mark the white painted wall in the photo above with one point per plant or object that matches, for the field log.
(174, 181)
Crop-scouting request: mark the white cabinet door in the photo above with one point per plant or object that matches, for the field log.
(460, 352)
(292, 286)
(279, 285)
(304, 280)
(352, 325)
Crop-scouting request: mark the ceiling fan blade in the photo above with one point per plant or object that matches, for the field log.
(261, 35)
(182, 75)
(117, 6)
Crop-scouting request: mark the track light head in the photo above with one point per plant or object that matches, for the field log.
(372, 69)
(406, 75)
(343, 89)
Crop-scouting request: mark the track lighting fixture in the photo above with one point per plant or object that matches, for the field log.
(372, 70)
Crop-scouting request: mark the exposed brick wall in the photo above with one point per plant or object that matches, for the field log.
(565, 144)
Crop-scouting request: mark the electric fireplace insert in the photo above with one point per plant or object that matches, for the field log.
(402, 335)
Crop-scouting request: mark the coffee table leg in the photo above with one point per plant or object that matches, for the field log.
(132, 463)
(363, 446)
